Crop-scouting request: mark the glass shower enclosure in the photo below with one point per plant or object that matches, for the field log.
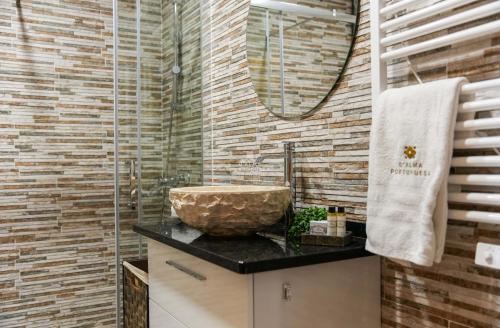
(158, 113)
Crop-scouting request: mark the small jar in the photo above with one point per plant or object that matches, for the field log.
(331, 229)
(341, 222)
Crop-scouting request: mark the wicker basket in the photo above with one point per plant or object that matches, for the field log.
(135, 294)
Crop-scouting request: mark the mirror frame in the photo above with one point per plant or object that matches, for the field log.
(357, 12)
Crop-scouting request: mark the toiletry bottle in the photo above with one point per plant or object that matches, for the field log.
(341, 222)
(332, 221)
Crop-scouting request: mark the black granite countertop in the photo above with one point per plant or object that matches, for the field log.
(253, 254)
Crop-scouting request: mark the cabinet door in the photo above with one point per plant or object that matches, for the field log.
(159, 318)
(344, 294)
(198, 293)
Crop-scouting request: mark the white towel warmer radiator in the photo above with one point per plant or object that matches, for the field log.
(388, 42)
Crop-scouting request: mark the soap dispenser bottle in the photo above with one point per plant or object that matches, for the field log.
(341, 222)
(332, 221)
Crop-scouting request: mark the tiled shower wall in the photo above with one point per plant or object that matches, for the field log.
(332, 150)
(56, 164)
(182, 150)
(56, 143)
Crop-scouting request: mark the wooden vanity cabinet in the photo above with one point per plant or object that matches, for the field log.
(186, 291)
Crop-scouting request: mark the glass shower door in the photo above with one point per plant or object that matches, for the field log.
(160, 113)
(170, 141)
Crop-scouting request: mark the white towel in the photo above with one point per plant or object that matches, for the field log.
(411, 145)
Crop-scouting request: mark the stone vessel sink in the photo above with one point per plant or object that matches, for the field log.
(230, 210)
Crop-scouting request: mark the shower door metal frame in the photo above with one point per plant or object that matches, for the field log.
(116, 179)
(282, 62)
(138, 91)
(116, 140)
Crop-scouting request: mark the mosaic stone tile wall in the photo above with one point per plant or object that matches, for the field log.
(56, 164)
(331, 145)
(56, 159)
(332, 150)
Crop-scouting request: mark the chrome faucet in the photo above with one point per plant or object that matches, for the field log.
(174, 181)
(288, 175)
(288, 168)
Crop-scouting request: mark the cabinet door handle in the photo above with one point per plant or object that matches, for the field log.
(188, 271)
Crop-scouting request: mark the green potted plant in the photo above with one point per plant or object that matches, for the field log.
(302, 219)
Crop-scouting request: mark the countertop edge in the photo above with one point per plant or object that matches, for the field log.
(310, 259)
(255, 267)
(204, 255)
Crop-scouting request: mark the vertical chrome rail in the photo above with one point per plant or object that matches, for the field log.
(176, 71)
(378, 66)
(282, 64)
(176, 68)
(138, 72)
(269, 67)
(116, 133)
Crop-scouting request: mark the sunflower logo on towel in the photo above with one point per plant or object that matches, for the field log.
(410, 165)
(410, 151)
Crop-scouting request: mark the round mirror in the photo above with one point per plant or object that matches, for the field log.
(297, 51)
